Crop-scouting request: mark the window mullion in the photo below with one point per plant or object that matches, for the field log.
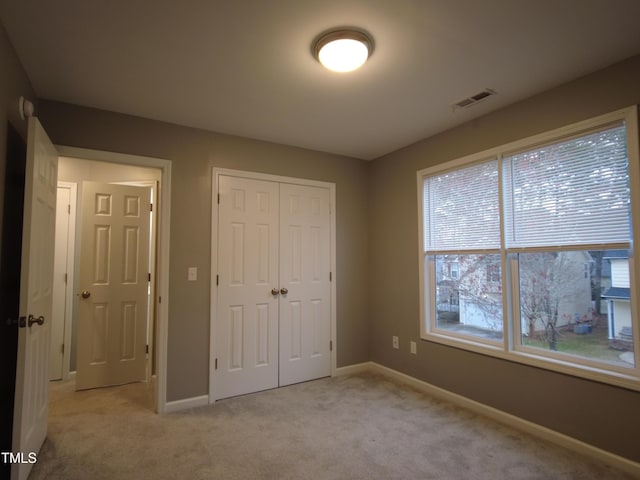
(506, 276)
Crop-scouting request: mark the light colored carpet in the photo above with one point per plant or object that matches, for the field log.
(363, 426)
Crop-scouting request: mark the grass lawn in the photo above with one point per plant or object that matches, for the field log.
(593, 345)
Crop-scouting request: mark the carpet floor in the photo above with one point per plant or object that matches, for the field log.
(363, 426)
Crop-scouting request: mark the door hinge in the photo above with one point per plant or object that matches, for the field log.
(146, 349)
(62, 348)
(151, 207)
(331, 345)
(216, 364)
(330, 276)
(217, 280)
(66, 277)
(159, 299)
(68, 209)
(149, 276)
(218, 199)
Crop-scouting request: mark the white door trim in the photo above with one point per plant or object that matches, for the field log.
(71, 248)
(162, 277)
(214, 257)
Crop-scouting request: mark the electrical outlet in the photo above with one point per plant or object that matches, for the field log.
(396, 342)
(412, 347)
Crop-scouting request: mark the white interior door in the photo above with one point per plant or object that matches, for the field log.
(56, 355)
(273, 320)
(36, 292)
(246, 327)
(113, 285)
(305, 301)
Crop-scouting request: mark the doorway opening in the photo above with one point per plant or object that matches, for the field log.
(81, 170)
(10, 253)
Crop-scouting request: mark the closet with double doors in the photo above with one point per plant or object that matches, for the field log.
(272, 311)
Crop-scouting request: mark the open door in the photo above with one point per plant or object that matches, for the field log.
(36, 281)
(114, 285)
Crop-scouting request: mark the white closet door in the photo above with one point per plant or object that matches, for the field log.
(246, 323)
(305, 301)
(273, 314)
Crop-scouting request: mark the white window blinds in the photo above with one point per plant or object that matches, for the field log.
(575, 192)
(461, 209)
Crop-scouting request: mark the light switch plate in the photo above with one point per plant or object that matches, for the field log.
(192, 274)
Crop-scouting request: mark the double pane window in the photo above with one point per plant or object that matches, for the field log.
(526, 250)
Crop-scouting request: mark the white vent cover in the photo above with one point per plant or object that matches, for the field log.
(473, 99)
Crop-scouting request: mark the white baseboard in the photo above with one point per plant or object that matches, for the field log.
(185, 404)
(352, 369)
(531, 428)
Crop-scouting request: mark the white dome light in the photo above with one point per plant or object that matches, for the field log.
(343, 50)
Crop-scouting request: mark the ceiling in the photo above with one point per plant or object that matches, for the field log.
(245, 67)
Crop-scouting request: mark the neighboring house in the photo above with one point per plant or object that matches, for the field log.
(555, 288)
(470, 284)
(481, 292)
(447, 279)
(618, 295)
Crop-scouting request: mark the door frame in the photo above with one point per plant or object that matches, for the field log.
(216, 173)
(71, 249)
(161, 302)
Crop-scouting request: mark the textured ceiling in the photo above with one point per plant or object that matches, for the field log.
(245, 67)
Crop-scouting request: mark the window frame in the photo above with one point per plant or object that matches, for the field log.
(511, 347)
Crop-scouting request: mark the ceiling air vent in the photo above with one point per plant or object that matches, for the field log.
(474, 99)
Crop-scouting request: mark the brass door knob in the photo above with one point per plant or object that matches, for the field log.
(33, 319)
(284, 291)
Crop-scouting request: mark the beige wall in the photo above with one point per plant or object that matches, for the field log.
(193, 154)
(598, 414)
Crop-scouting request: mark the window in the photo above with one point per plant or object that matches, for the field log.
(526, 250)
(454, 270)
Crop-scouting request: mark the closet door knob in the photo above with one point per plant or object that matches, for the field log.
(274, 291)
(284, 291)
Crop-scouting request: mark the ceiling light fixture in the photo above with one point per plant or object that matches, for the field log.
(343, 50)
